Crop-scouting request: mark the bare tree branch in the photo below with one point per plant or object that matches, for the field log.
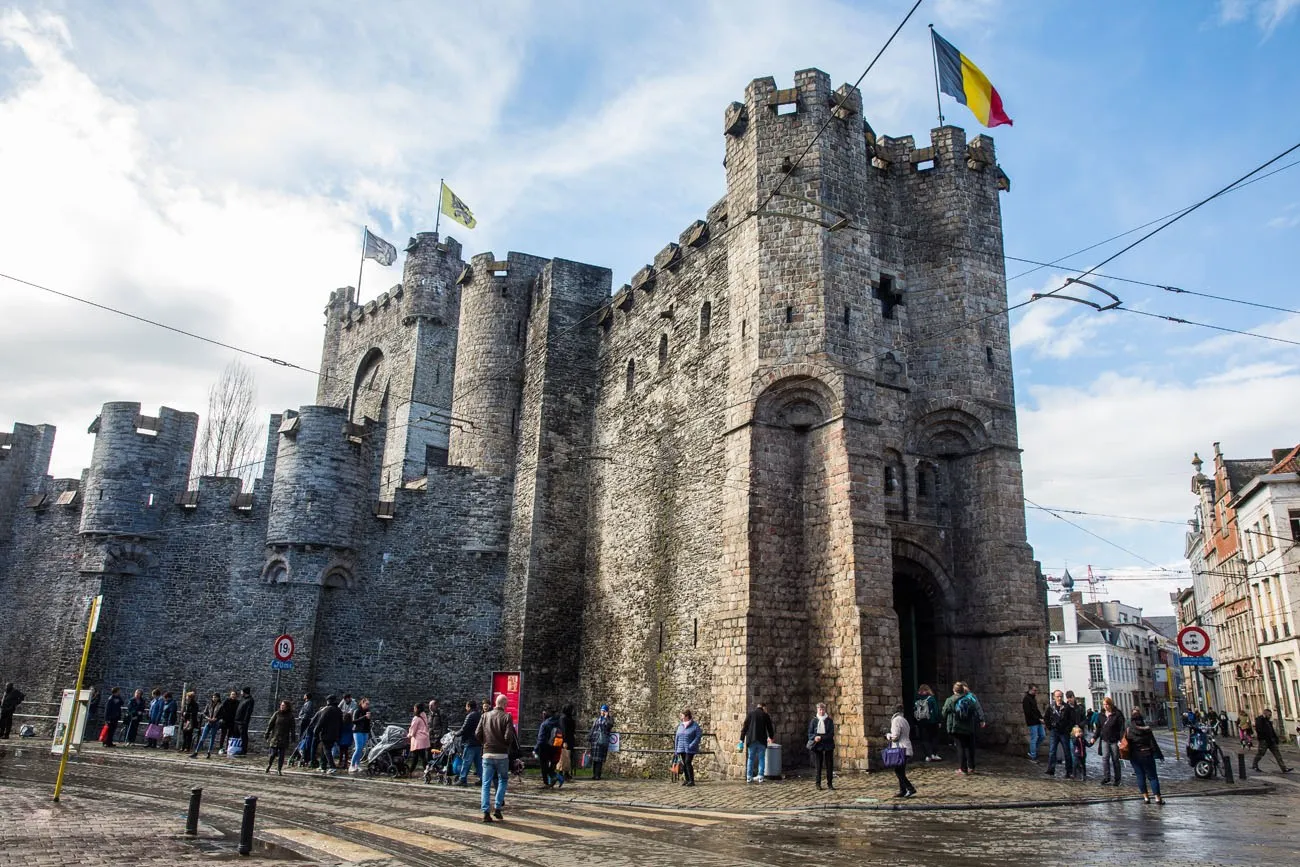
(231, 439)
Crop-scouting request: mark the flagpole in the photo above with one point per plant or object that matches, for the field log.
(364, 231)
(437, 221)
(934, 55)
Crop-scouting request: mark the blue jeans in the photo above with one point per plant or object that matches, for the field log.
(209, 734)
(1063, 739)
(358, 747)
(499, 770)
(1145, 770)
(756, 766)
(1037, 734)
(471, 756)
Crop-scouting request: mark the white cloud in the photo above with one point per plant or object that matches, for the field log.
(1268, 15)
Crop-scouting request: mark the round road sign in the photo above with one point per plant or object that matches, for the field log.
(284, 648)
(1193, 641)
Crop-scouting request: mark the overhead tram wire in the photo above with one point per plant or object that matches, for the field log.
(1181, 321)
(1099, 537)
(1057, 262)
(1101, 515)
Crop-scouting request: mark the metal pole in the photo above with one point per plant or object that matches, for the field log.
(365, 230)
(91, 625)
(934, 54)
(1227, 766)
(246, 827)
(1173, 708)
(437, 220)
(192, 817)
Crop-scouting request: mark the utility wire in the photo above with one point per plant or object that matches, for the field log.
(1083, 529)
(1180, 321)
(1101, 515)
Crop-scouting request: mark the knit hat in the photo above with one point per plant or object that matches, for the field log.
(604, 707)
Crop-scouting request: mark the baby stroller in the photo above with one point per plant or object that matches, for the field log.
(301, 755)
(387, 753)
(445, 764)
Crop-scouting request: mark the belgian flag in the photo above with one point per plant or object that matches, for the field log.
(962, 80)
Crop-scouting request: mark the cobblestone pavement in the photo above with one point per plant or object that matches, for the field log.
(128, 807)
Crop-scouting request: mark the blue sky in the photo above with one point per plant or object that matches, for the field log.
(211, 167)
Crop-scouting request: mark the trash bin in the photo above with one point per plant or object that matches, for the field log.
(772, 770)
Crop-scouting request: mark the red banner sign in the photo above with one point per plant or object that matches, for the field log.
(507, 683)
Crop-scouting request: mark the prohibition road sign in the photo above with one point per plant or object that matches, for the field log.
(284, 648)
(1193, 641)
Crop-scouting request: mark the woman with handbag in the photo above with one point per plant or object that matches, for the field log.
(154, 731)
(1143, 751)
(821, 743)
(189, 720)
(686, 743)
(900, 737)
(279, 736)
(418, 734)
(1109, 731)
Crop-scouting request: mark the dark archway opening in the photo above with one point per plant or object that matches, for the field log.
(918, 628)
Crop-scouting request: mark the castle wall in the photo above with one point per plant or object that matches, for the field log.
(657, 478)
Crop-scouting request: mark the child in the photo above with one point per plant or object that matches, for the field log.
(1245, 730)
(1079, 749)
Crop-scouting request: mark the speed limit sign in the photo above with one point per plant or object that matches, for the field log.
(1193, 641)
(284, 648)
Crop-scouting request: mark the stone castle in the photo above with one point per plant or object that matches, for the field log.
(780, 465)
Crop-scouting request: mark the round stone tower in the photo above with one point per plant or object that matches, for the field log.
(494, 306)
(321, 480)
(139, 464)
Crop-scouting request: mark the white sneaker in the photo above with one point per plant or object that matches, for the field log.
(758, 779)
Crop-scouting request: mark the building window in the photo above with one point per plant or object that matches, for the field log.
(1267, 540)
(891, 480)
(706, 319)
(663, 349)
(1094, 669)
(631, 373)
(1293, 518)
(889, 299)
(1054, 668)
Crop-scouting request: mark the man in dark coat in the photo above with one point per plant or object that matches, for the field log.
(305, 714)
(8, 704)
(1268, 739)
(112, 715)
(756, 733)
(1033, 721)
(244, 717)
(1059, 720)
(325, 729)
(437, 725)
(135, 709)
(229, 728)
(472, 750)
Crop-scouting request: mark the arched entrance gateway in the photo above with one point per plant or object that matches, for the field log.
(924, 628)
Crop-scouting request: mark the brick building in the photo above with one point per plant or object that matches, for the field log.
(780, 464)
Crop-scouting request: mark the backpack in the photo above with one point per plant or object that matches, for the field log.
(921, 709)
(965, 708)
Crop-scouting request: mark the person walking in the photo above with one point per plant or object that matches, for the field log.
(1033, 721)
(279, 736)
(229, 728)
(153, 732)
(1268, 740)
(569, 724)
(306, 713)
(135, 711)
(325, 728)
(1060, 720)
(243, 719)
(598, 740)
(961, 714)
(821, 743)
(686, 743)
(191, 718)
(211, 726)
(1079, 747)
(757, 732)
(1110, 728)
(170, 716)
(496, 733)
(418, 734)
(437, 724)
(900, 735)
(1245, 730)
(925, 710)
(471, 749)
(1143, 750)
(546, 749)
(360, 733)
(112, 715)
(8, 704)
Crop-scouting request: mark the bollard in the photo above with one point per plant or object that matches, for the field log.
(1241, 766)
(192, 817)
(1227, 768)
(246, 828)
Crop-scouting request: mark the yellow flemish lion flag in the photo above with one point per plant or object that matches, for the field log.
(453, 207)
